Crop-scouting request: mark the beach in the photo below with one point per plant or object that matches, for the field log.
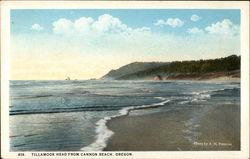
(148, 132)
(233, 76)
(192, 129)
(224, 79)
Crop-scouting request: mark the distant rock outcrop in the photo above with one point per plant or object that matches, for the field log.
(157, 78)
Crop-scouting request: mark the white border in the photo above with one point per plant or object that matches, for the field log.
(5, 48)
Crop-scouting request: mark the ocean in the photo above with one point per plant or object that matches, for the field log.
(72, 115)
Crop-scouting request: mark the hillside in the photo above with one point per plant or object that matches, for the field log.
(132, 68)
(178, 69)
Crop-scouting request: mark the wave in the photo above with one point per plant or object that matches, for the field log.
(30, 97)
(82, 93)
(195, 98)
(204, 95)
(76, 108)
(216, 90)
(62, 110)
(102, 131)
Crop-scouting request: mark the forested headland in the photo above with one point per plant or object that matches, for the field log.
(227, 66)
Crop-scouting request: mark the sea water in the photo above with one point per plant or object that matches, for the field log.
(72, 115)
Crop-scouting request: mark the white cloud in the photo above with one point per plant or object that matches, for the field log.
(173, 22)
(107, 23)
(159, 23)
(37, 27)
(195, 17)
(143, 29)
(83, 25)
(225, 27)
(86, 26)
(194, 30)
(63, 26)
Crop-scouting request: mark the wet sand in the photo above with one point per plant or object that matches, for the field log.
(148, 132)
(218, 129)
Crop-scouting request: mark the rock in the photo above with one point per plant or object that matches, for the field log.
(157, 78)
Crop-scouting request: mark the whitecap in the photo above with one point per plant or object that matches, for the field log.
(102, 131)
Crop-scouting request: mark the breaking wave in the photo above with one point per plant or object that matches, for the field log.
(102, 131)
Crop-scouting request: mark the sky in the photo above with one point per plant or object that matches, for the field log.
(88, 43)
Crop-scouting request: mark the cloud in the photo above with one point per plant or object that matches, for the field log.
(37, 27)
(176, 22)
(109, 23)
(225, 27)
(63, 26)
(159, 23)
(173, 22)
(195, 17)
(83, 24)
(87, 26)
(194, 30)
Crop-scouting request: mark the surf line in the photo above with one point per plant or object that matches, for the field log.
(102, 131)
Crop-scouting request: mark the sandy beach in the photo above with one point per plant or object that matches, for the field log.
(224, 79)
(218, 79)
(148, 132)
(218, 128)
(233, 76)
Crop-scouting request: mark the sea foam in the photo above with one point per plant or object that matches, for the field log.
(102, 131)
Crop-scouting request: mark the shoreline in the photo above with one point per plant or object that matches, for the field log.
(231, 76)
(204, 128)
(131, 133)
(219, 79)
(164, 132)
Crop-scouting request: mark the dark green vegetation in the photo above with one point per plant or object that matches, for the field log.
(133, 68)
(199, 67)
